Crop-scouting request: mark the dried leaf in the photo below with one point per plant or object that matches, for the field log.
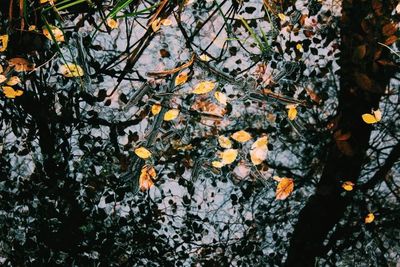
(369, 218)
(2, 78)
(391, 40)
(284, 188)
(221, 97)
(181, 78)
(224, 141)
(71, 70)
(21, 64)
(241, 136)
(204, 87)
(282, 16)
(156, 24)
(171, 114)
(314, 96)
(205, 58)
(389, 29)
(142, 152)
(228, 156)
(112, 23)
(3, 42)
(57, 33)
(9, 92)
(166, 22)
(155, 109)
(348, 186)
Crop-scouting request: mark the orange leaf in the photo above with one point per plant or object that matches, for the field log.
(284, 188)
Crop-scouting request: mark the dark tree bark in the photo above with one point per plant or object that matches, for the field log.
(363, 79)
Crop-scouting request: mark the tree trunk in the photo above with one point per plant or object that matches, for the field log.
(363, 79)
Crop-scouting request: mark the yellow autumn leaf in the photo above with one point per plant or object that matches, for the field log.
(166, 22)
(292, 112)
(156, 24)
(2, 78)
(1, 69)
(348, 185)
(45, 1)
(112, 23)
(375, 117)
(13, 80)
(142, 152)
(369, 218)
(9, 92)
(217, 164)
(284, 189)
(21, 64)
(224, 141)
(3, 42)
(155, 109)
(282, 16)
(228, 156)
(32, 28)
(205, 58)
(57, 33)
(71, 70)
(181, 78)
(241, 136)
(204, 87)
(299, 47)
(259, 149)
(147, 175)
(171, 114)
(221, 97)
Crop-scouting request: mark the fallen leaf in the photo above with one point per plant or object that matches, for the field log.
(241, 136)
(375, 117)
(147, 175)
(284, 189)
(259, 149)
(112, 23)
(3, 42)
(205, 58)
(156, 24)
(348, 186)
(13, 80)
(369, 218)
(155, 109)
(181, 78)
(57, 33)
(171, 114)
(2, 78)
(9, 92)
(71, 70)
(142, 152)
(282, 16)
(221, 97)
(224, 141)
(299, 47)
(228, 156)
(217, 164)
(166, 22)
(292, 112)
(204, 87)
(21, 64)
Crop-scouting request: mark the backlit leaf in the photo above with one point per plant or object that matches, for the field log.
(13, 80)
(204, 87)
(241, 136)
(2, 78)
(142, 153)
(147, 175)
(284, 189)
(372, 118)
(21, 64)
(171, 114)
(71, 70)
